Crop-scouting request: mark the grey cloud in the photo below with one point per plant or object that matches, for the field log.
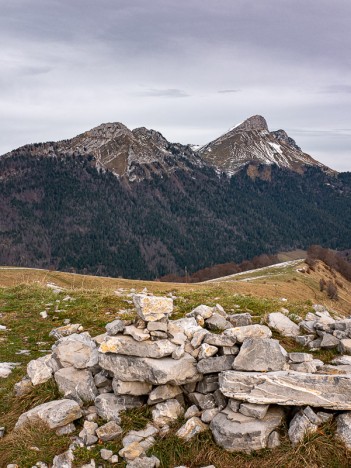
(70, 65)
(228, 91)
(170, 92)
(344, 89)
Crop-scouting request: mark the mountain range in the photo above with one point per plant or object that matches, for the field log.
(120, 202)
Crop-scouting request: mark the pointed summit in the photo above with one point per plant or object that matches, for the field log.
(251, 143)
(256, 122)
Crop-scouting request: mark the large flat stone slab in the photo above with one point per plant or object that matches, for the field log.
(128, 346)
(260, 354)
(239, 433)
(55, 414)
(288, 388)
(154, 371)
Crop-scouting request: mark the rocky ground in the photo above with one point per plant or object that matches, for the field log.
(167, 382)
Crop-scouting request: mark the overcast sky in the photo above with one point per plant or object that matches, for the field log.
(188, 68)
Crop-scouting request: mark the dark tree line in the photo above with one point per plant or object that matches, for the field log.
(62, 213)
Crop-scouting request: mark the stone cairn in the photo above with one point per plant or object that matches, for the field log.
(218, 371)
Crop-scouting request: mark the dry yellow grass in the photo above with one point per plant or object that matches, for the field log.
(290, 284)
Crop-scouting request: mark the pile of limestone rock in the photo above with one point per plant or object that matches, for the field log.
(219, 372)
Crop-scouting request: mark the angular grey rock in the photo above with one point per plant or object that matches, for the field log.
(157, 326)
(315, 344)
(308, 326)
(167, 412)
(188, 326)
(55, 414)
(305, 367)
(65, 430)
(229, 350)
(191, 428)
(240, 320)
(300, 357)
(87, 434)
(203, 310)
(273, 440)
(65, 330)
(108, 405)
(345, 346)
(39, 370)
(152, 308)
(193, 410)
(203, 401)
(79, 383)
(137, 334)
(282, 324)
(312, 416)
(78, 351)
(115, 327)
(218, 322)
(219, 340)
(329, 341)
(158, 335)
(102, 379)
(139, 436)
(288, 388)
(199, 337)
(325, 417)
(253, 411)
(303, 340)
(343, 429)
(154, 371)
(340, 335)
(218, 309)
(126, 345)
(342, 360)
(109, 431)
(106, 454)
(163, 393)
(144, 462)
(248, 331)
(22, 387)
(220, 399)
(260, 354)
(209, 414)
(342, 325)
(215, 364)
(207, 351)
(178, 353)
(208, 384)
(244, 434)
(131, 388)
(300, 426)
(64, 460)
(234, 405)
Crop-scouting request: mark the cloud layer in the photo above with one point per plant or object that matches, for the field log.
(190, 69)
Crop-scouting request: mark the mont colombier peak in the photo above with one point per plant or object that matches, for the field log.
(137, 154)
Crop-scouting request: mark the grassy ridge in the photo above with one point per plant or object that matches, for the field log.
(20, 311)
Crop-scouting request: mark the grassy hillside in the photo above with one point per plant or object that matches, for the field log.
(94, 301)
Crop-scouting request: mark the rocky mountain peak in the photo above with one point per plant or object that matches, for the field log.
(108, 130)
(252, 143)
(283, 137)
(256, 122)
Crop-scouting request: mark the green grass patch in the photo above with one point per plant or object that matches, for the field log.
(31, 444)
